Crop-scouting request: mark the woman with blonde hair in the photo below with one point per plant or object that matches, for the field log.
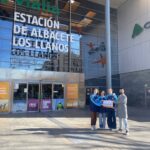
(102, 111)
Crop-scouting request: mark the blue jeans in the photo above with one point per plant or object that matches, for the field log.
(102, 120)
(111, 118)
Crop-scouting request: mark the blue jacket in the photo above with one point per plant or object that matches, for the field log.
(112, 97)
(94, 99)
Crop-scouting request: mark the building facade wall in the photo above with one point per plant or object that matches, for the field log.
(133, 53)
(68, 80)
(134, 84)
(33, 58)
(93, 67)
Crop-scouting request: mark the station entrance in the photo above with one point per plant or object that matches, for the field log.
(37, 96)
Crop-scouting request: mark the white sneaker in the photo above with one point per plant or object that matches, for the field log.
(127, 132)
(119, 130)
(93, 128)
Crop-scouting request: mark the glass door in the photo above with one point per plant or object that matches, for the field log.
(20, 97)
(58, 97)
(46, 97)
(33, 97)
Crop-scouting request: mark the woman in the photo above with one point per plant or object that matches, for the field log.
(102, 112)
(94, 99)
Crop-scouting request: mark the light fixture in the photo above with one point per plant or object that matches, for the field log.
(72, 1)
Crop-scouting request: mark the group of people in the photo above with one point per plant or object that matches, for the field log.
(106, 113)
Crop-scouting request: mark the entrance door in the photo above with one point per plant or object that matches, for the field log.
(58, 97)
(33, 97)
(46, 97)
(20, 97)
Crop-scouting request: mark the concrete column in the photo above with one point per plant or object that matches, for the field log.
(108, 44)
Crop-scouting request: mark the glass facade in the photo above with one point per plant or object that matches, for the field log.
(37, 52)
(83, 20)
(61, 38)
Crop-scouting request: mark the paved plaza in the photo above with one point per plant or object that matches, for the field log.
(69, 130)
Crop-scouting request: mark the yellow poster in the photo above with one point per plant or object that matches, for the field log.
(72, 95)
(72, 91)
(4, 96)
(4, 90)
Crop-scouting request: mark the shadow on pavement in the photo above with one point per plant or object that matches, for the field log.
(84, 135)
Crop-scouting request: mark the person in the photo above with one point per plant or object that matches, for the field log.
(94, 108)
(111, 112)
(122, 111)
(102, 112)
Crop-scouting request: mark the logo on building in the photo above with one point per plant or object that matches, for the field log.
(43, 5)
(138, 29)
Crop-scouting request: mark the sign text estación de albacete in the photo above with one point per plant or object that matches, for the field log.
(40, 36)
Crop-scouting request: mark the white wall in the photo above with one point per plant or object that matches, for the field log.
(134, 54)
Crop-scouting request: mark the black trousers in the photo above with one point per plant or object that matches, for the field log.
(111, 118)
(93, 118)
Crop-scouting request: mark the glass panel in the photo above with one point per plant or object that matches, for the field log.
(58, 91)
(58, 101)
(33, 97)
(46, 97)
(33, 91)
(47, 91)
(20, 94)
(24, 51)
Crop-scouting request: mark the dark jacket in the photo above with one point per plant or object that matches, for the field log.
(114, 98)
(93, 107)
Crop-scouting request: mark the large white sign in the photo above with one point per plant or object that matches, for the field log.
(26, 35)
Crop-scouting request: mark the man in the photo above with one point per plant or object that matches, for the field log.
(94, 99)
(122, 111)
(111, 112)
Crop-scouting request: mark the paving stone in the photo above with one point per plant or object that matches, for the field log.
(70, 130)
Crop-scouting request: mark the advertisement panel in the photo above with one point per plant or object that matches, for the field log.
(4, 90)
(46, 104)
(4, 105)
(19, 106)
(4, 96)
(33, 105)
(72, 95)
(58, 104)
(72, 91)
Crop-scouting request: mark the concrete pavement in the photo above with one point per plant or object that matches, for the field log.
(69, 130)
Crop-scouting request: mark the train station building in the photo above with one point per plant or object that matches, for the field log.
(54, 52)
